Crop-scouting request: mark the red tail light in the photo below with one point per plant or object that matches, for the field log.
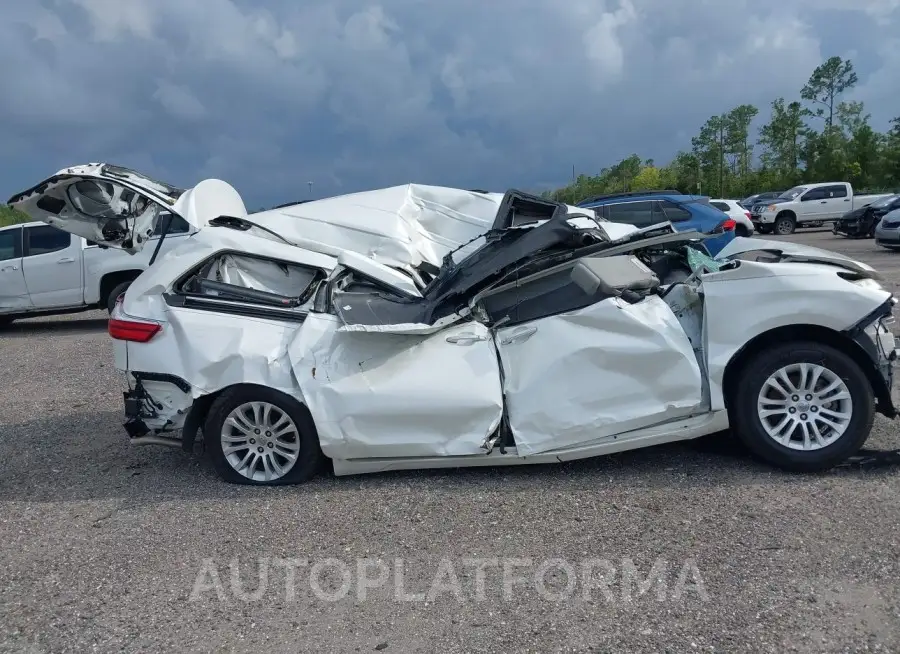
(133, 330)
(726, 225)
(747, 213)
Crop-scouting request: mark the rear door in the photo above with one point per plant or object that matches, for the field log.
(381, 384)
(52, 265)
(836, 201)
(13, 292)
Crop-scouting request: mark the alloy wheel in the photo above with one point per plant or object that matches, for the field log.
(260, 441)
(804, 406)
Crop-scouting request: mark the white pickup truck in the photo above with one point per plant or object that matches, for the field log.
(45, 271)
(808, 203)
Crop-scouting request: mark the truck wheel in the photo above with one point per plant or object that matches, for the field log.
(803, 406)
(114, 295)
(785, 225)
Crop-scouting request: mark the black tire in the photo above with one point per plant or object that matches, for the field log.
(764, 229)
(114, 295)
(741, 230)
(748, 426)
(309, 456)
(784, 225)
(5, 322)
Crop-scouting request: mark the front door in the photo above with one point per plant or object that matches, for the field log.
(52, 264)
(13, 293)
(581, 364)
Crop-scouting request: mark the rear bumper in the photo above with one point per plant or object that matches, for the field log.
(155, 403)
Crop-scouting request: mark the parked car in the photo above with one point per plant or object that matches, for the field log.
(862, 221)
(734, 210)
(806, 204)
(685, 212)
(315, 331)
(749, 202)
(47, 271)
(887, 233)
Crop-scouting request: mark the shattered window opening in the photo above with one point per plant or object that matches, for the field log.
(251, 279)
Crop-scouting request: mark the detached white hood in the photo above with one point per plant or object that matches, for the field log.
(791, 251)
(120, 208)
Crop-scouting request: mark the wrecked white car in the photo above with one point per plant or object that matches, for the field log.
(424, 327)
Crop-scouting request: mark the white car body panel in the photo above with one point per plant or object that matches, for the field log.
(615, 366)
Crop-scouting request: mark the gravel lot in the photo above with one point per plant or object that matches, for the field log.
(101, 544)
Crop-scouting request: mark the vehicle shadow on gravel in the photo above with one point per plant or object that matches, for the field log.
(35, 327)
(86, 456)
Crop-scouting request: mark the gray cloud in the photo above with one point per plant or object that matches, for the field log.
(352, 94)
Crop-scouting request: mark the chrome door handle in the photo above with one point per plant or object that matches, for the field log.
(518, 336)
(9, 268)
(66, 260)
(467, 338)
(823, 201)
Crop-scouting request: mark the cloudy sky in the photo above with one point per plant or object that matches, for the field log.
(354, 94)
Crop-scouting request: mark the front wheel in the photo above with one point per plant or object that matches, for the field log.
(259, 436)
(803, 406)
(764, 229)
(784, 225)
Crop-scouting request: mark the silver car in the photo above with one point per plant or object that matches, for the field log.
(887, 233)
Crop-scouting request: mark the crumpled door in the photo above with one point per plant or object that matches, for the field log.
(398, 395)
(579, 377)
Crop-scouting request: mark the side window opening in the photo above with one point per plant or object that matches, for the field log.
(11, 244)
(570, 287)
(357, 300)
(45, 239)
(232, 276)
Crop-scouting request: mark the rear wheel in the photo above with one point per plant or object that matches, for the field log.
(114, 295)
(259, 436)
(741, 230)
(803, 406)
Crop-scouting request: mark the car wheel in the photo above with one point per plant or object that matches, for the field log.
(784, 225)
(260, 436)
(741, 230)
(5, 322)
(114, 295)
(803, 406)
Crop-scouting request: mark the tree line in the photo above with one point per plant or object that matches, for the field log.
(817, 137)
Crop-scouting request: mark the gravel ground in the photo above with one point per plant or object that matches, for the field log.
(105, 547)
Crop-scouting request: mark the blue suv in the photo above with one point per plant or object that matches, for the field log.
(685, 212)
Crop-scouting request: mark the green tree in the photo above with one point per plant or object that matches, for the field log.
(737, 137)
(826, 84)
(781, 140)
(709, 148)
